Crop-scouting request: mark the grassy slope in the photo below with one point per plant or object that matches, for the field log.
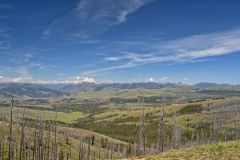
(47, 115)
(73, 135)
(221, 151)
(118, 117)
(123, 93)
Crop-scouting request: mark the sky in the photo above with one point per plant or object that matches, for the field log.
(106, 41)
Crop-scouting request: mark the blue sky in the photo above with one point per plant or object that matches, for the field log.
(65, 41)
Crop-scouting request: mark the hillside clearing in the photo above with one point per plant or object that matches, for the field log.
(221, 151)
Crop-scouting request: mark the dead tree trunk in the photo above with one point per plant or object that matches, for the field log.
(10, 145)
(3, 139)
(55, 138)
(89, 150)
(81, 147)
(48, 140)
(161, 133)
(22, 143)
(176, 133)
(142, 142)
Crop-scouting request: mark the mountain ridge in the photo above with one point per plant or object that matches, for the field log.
(57, 90)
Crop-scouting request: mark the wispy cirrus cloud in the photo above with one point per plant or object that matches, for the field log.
(92, 17)
(21, 65)
(164, 78)
(4, 37)
(188, 49)
(4, 30)
(22, 70)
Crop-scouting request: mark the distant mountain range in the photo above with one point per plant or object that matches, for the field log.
(152, 85)
(28, 90)
(98, 87)
(208, 85)
(58, 90)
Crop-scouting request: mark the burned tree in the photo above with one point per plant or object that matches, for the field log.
(10, 145)
(161, 133)
(176, 132)
(22, 142)
(142, 138)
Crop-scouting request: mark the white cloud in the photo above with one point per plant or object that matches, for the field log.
(164, 78)
(16, 79)
(151, 79)
(200, 46)
(113, 58)
(108, 11)
(26, 79)
(88, 80)
(102, 71)
(39, 66)
(21, 66)
(122, 16)
(189, 49)
(92, 17)
(4, 37)
(28, 55)
(60, 74)
(23, 71)
(185, 79)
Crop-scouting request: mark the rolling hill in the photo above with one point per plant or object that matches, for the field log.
(221, 151)
(29, 90)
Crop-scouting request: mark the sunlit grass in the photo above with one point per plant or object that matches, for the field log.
(221, 151)
(64, 117)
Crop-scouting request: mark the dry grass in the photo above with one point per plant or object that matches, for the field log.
(221, 151)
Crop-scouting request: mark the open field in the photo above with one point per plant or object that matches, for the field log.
(46, 115)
